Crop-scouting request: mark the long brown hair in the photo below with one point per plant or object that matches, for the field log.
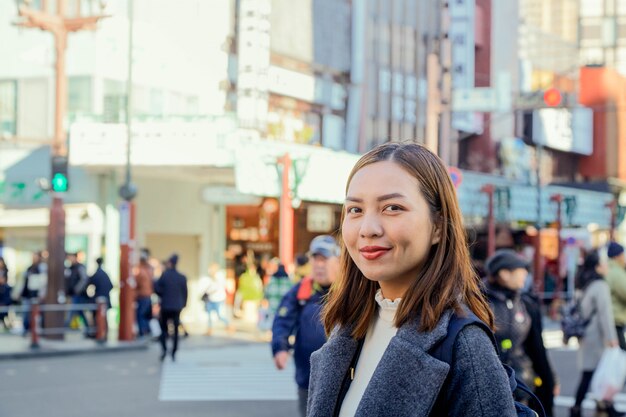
(446, 280)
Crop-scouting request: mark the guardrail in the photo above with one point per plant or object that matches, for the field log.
(35, 310)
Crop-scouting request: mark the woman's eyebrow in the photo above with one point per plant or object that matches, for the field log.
(381, 198)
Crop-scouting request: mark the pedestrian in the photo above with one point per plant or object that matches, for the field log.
(616, 278)
(518, 325)
(172, 288)
(302, 267)
(595, 305)
(279, 285)
(32, 287)
(144, 277)
(101, 283)
(102, 286)
(77, 281)
(250, 292)
(5, 293)
(213, 289)
(405, 271)
(299, 314)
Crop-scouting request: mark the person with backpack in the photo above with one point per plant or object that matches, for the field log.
(410, 330)
(299, 314)
(518, 325)
(599, 331)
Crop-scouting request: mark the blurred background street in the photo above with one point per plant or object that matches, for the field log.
(215, 138)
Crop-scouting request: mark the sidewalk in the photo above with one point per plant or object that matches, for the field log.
(14, 346)
(17, 347)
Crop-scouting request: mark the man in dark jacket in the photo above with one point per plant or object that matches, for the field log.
(299, 314)
(77, 281)
(172, 288)
(518, 325)
(101, 283)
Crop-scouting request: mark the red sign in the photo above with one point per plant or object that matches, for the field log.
(552, 97)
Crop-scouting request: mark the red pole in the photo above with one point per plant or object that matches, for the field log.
(491, 223)
(286, 226)
(101, 319)
(612, 205)
(558, 198)
(127, 282)
(34, 330)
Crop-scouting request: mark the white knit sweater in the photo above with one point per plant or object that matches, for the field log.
(377, 339)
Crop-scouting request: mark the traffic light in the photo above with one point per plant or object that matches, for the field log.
(59, 182)
(552, 97)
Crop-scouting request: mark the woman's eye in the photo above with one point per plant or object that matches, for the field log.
(353, 210)
(393, 208)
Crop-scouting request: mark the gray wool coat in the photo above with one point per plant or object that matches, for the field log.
(408, 379)
(601, 329)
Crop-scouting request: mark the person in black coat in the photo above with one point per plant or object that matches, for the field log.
(172, 288)
(5, 292)
(101, 283)
(518, 325)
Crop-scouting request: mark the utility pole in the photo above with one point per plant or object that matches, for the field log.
(439, 82)
(60, 24)
(445, 58)
(538, 275)
(127, 192)
(286, 225)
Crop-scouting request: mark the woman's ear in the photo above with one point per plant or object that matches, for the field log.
(436, 234)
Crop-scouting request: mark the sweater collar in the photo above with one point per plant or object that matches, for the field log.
(386, 308)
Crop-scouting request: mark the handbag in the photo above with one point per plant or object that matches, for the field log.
(610, 374)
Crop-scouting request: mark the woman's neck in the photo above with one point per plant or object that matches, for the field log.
(392, 291)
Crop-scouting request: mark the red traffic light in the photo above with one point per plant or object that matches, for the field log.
(552, 97)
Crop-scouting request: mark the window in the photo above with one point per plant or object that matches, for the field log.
(8, 107)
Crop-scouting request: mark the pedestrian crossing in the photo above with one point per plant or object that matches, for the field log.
(229, 373)
(553, 339)
(590, 404)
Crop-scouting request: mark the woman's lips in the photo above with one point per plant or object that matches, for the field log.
(373, 252)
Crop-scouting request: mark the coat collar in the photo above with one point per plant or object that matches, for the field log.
(406, 381)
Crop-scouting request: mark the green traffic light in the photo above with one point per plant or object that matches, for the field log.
(59, 183)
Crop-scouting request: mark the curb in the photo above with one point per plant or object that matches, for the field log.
(50, 353)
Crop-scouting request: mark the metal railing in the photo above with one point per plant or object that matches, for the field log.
(35, 311)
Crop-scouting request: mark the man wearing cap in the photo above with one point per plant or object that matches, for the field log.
(518, 324)
(172, 288)
(616, 278)
(299, 314)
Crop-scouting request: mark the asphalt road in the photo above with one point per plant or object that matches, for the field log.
(136, 384)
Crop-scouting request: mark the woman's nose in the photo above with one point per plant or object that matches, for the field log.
(371, 226)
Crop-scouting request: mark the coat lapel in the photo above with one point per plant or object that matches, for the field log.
(407, 379)
(329, 366)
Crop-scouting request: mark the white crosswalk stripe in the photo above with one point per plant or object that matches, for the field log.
(232, 373)
(590, 404)
(553, 339)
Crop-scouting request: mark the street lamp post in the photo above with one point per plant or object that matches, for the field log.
(127, 192)
(60, 24)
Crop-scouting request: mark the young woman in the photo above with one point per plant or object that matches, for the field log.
(405, 270)
(600, 332)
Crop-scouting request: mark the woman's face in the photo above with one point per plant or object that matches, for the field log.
(387, 227)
